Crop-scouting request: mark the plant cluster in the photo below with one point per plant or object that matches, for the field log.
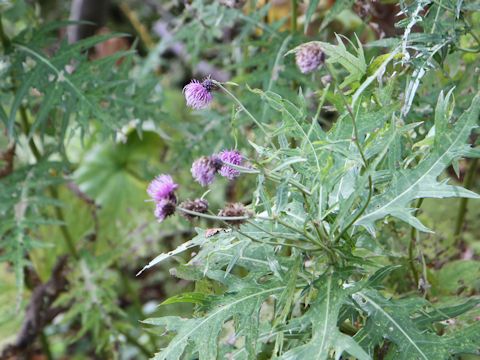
(328, 161)
(299, 278)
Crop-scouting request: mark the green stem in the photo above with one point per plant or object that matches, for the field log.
(293, 20)
(281, 237)
(3, 37)
(213, 217)
(364, 160)
(63, 228)
(411, 245)
(331, 254)
(45, 346)
(315, 225)
(53, 190)
(270, 176)
(26, 129)
(249, 114)
(462, 209)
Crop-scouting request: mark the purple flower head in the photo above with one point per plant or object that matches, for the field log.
(162, 188)
(164, 208)
(232, 157)
(205, 168)
(309, 57)
(198, 94)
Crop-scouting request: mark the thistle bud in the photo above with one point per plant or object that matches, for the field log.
(309, 57)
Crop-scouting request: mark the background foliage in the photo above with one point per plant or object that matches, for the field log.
(363, 191)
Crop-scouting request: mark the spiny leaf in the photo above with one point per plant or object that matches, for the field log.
(392, 320)
(202, 332)
(326, 337)
(421, 182)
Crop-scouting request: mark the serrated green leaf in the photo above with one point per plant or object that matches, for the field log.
(202, 333)
(391, 320)
(326, 337)
(421, 182)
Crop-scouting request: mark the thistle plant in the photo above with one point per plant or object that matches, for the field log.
(307, 173)
(301, 272)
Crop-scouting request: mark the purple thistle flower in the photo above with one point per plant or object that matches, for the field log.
(198, 94)
(309, 57)
(162, 188)
(204, 169)
(232, 157)
(164, 208)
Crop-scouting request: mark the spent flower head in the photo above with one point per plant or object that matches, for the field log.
(197, 205)
(162, 187)
(234, 210)
(198, 94)
(309, 57)
(164, 208)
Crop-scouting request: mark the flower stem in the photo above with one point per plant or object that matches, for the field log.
(293, 20)
(411, 245)
(213, 217)
(364, 160)
(281, 237)
(249, 114)
(331, 254)
(269, 176)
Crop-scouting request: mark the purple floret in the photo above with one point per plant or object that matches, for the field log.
(198, 94)
(204, 169)
(161, 188)
(232, 157)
